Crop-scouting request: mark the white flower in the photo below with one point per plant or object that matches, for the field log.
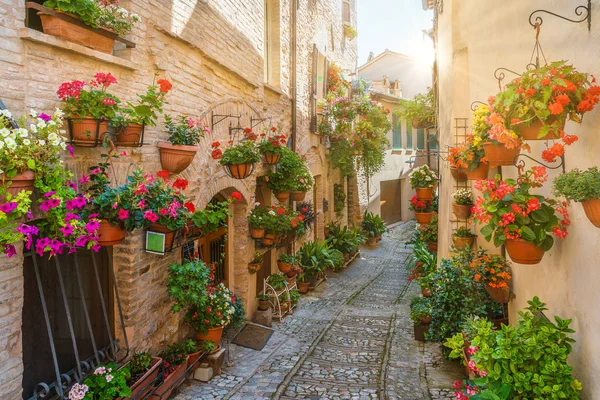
(33, 128)
(51, 123)
(256, 204)
(33, 113)
(26, 142)
(272, 212)
(59, 113)
(1, 144)
(53, 136)
(6, 113)
(42, 142)
(109, 378)
(23, 132)
(10, 144)
(41, 124)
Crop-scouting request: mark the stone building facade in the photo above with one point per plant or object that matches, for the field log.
(214, 53)
(466, 63)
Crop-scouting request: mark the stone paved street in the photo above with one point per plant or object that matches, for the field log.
(351, 338)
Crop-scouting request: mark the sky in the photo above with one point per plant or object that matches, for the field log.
(396, 25)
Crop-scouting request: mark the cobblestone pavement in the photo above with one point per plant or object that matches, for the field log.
(351, 338)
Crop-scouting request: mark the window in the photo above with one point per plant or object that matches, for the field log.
(396, 132)
(272, 56)
(409, 134)
(347, 12)
(420, 139)
(432, 141)
(318, 84)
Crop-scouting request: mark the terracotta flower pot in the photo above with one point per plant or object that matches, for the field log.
(298, 196)
(214, 335)
(531, 132)
(130, 135)
(424, 218)
(425, 193)
(170, 383)
(20, 182)
(592, 211)
(426, 292)
(291, 280)
(176, 158)
(432, 246)
(143, 386)
(372, 241)
(257, 233)
(282, 196)
(283, 267)
(501, 295)
(346, 258)
(461, 243)
(420, 124)
(192, 358)
(263, 305)
(499, 154)
(459, 174)
(523, 252)
(481, 172)
(303, 287)
(76, 34)
(271, 158)
(462, 211)
(240, 171)
(169, 234)
(88, 131)
(110, 235)
(269, 239)
(426, 320)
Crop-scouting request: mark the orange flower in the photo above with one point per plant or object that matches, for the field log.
(562, 99)
(165, 85)
(477, 277)
(555, 108)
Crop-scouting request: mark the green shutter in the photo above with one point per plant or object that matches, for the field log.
(433, 141)
(420, 139)
(396, 133)
(409, 134)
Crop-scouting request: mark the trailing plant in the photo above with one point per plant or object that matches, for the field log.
(420, 206)
(257, 259)
(290, 174)
(420, 308)
(215, 215)
(373, 225)
(342, 157)
(257, 218)
(429, 233)
(107, 382)
(510, 211)
(422, 177)
(463, 197)
(463, 232)
(421, 108)
(244, 152)
(578, 185)
(524, 361)
(187, 285)
(185, 131)
(339, 199)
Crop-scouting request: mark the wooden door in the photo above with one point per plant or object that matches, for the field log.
(391, 201)
(213, 249)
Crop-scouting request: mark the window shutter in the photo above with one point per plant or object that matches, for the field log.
(347, 12)
(326, 78)
(313, 89)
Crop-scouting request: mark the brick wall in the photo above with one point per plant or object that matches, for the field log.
(212, 53)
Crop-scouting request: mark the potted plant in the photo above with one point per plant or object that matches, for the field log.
(338, 260)
(144, 370)
(321, 105)
(192, 351)
(263, 302)
(208, 347)
(423, 180)
(291, 175)
(350, 32)
(89, 111)
(429, 234)
(257, 219)
(537, 104)
(256, 264)
(420, 313)
(314, 257)
(175, 365)
(285, 263)
(423, 210)
(107, 382)
(184, 136)
(462, 203)
(238, 159)
(583, 187)
(495, 273)
(277, 282)
(219, 311)
(270, 147)
(373, 227)
(514, 216)
(458, 166)
(420, 110)
(342, 239)
(303, 284)
(132, 120)
(107, 16)
(463, 238)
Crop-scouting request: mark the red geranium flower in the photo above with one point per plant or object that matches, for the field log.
(280, 211)
(237, 196)
(215, 144)
(163, 174)
(165, 85)
(190, 206)
(216, 154)
(180, 183)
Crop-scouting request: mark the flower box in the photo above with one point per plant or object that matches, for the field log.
(57, 25)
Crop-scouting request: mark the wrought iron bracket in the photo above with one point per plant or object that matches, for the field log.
(255, 121)
(585, 13)
(521, 163)
(216, 119)
(475, 104)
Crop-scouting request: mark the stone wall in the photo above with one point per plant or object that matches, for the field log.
(212, 52)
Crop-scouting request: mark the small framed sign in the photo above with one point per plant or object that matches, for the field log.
(155, 243)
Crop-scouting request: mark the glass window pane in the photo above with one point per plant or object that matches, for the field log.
(409, 134)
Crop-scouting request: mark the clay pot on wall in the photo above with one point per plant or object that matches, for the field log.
(499, 154)
(55, 26)
(110, 235)
(459, 174)
(500, 295)
(461, 243)
(481, 172)
(282, 196)
(424, 218)
(271, 158)
(169, 234)
(462, 211)
(269, 239)
(298, 196)
(24, 181)
(523, 252)
(87, 131)
(592, 211)
(532, 131)
(240, 171)
(257, 233)
(130, 135)
(424, 193)
(214, 335)
(176, 158)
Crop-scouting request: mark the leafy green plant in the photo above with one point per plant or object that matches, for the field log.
(258, 258)
(339, 199)
(190, 346)
(148, 106)
(337, 259)
(578, 185)
(107, 382)
(140, 363)
(173, 356)
(420, 109)
(263, 297)
(187, 285)
(341, 238)
(373, 225)
(207, 346)
(530, 358)
(422, 177)
(86, 10)
(294, 295)
(314, 257)
(184, 131)
(277, 281)
(242, 152)
(213, 216)
(341, 155)
(272, 144)
(420, 308)
(463, 232)
(220, 309)
(287, 258)
(290, 174)
(94, 102)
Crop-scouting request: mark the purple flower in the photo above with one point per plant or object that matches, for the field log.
(71, 151)
(29, 215)
(70, 216)
(9, 250)
(96, 171)
(92, 226)
(50, 203)
(67, 230)
(28, 230)
(96, 247)
(94, 215)
(49, 194)
(8, 207)
(81, 241)
(84, 179)
(45, 117)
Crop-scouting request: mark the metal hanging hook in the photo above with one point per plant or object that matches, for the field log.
(580, 11)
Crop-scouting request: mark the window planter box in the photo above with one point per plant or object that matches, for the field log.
(60, 28)
(143, 386)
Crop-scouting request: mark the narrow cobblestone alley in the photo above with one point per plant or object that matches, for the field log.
(351, 338)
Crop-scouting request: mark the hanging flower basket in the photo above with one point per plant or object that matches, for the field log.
(214, 335)
(459, 174)
(532, 131)
(298, 196)
(282, 196)
(481, 172)
(269, 239)
(499, 154)
(420, 124)
(461, 243)
(110, 235)
(271, 158)
(169, 234)
(131, 135)
(257, 233)
(524, 252)
(176, 158)
(592, 211)
(424, 193)
(254, 268)
(500, 295)
(424, 218)
(20, 182)
(240, 171)
(462, 211)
